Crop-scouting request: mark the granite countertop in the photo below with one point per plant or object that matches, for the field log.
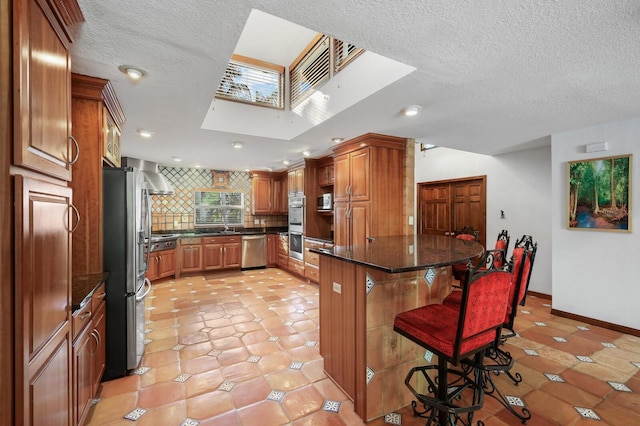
(403, 253)
(221, 233)
(83, 287)
(322, 239)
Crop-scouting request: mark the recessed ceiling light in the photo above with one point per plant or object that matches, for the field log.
(132, 72)
(177, 159)
(285, 162)
(237, 144)
(306, 153)
(197, 166)
(337, 140)
(412, 110)
(145, 133)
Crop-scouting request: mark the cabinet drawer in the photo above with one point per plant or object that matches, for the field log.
(312, 272)
(312, 258)
(296, 266)
(309, 244)
(221, 240)
(283, 260)
(98, 297)
(81, 318)
(189, 241)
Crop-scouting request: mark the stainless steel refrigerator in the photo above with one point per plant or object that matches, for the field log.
(127, 226)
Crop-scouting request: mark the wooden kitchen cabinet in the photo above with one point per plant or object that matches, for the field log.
(283, 251)
(111, 145)
(43, 331)
(368, 188)
(221, 252)
(326, 175)
(42, 89)
(162, 264)
(190, 252)
(89, 352)
(295, 181)
(93, 105)
(268, 193)
(272, 250)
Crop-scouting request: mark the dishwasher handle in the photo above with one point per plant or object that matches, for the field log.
(254, 237)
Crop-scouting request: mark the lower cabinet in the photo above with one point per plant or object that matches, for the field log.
(283, 251)
(190, 255)
(162, 264)
(89, 353)
(221, 252)
(272, 250)
(311, 260)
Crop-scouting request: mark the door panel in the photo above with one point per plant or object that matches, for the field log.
(434, 209)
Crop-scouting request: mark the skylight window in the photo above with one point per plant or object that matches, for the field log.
(251, 81)
(310, 71)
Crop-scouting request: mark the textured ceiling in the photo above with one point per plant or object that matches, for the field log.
(491, 76)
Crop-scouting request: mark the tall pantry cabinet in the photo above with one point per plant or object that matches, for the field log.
(36, 37)
(368, 188)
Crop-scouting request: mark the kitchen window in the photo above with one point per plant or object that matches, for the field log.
(218, 209)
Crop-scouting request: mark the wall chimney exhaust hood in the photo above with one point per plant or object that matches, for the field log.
(156, 182)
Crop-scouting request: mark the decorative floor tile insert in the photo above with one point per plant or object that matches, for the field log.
(637, 364)
(253, 358)
(584, 358)
(147, 341)
(525, 312)
(227, 386)
(515, 400)
(135, 414)
(276, 395)
(215, 352)
(393, 418)
(531, 352)
(238, 334)
(332, 406)
(587, 413)
(190, 422)
(141, 370)
(540, 324)
(546, 305)
(560, 339)
(609, 345)
(288, 323)
(206, 329)
(174, 310)
(296, 365)
(182, 378)
(619, 387)
(178, 347)
(311, 343)
(554, 377)
(582, 327)
(273, 339)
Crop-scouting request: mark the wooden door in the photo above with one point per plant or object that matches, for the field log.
(360, 175)
(446, 206)
(42, 93)
(43, 366)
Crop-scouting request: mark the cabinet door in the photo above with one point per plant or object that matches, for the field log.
(83, 367)
(212, 256)
(166, 263)
(152, 271)
(359, 219)
(42, 302)
(342, 179)
(341, 225)
(262, 197)
(279, 194)
(99, 355)
(42, 94)
(232, 255)
(191, 258)
(272, 250)
(360, 174)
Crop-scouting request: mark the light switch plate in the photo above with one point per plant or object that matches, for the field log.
(337, 288)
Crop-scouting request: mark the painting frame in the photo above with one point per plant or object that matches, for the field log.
(599, 194)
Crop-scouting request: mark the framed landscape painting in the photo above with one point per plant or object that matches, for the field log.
(599, 194)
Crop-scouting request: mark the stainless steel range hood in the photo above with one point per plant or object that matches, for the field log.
(156, 182)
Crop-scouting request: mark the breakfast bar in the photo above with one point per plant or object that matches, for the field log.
(362, 288)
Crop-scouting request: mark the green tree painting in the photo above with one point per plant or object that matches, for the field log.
(599, 193)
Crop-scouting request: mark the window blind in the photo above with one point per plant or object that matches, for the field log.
(311, 72)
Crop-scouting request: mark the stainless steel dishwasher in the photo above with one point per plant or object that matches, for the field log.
(254, 251)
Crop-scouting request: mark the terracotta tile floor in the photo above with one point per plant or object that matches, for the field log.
(241, 348)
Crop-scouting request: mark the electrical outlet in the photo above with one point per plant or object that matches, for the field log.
(256, 221)
(410, 220)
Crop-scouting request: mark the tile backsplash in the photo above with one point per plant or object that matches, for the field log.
(175, 212)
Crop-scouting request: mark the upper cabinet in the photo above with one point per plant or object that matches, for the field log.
(326, 172)
(368, 188)
(295, 182)
(42, 88)
(96, 113)
(268, 193)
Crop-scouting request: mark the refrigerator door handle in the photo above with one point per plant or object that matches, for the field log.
(146, 197)
(147, 284)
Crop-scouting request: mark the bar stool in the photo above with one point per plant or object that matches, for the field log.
(454, 334)
(502, 243)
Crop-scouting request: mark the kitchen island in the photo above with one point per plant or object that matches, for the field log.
(362, 288)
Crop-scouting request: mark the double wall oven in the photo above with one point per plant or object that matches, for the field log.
(296, 227)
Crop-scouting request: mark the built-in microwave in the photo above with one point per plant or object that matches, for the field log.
(324, 202)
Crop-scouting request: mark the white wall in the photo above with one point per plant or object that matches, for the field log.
(596, 274)
(518, 183)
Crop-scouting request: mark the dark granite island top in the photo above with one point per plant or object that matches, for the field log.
(404, 253)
